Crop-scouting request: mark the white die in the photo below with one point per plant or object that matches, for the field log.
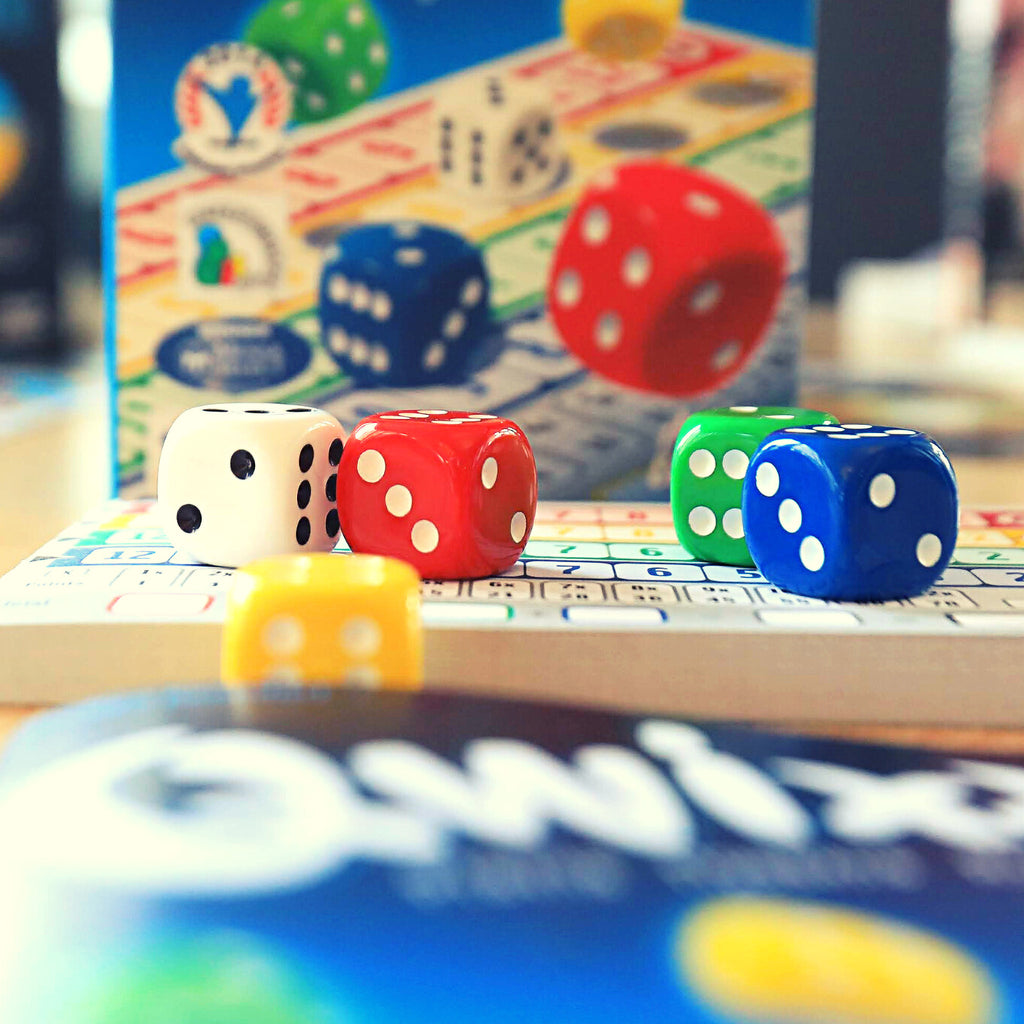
(498, 140)
(243, 481)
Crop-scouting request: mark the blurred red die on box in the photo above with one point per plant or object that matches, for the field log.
(665, 278)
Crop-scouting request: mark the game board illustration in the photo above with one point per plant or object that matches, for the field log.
(735, 107)
(604, 591)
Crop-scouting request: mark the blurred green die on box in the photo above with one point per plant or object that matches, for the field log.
(334, 52)
(708, 466)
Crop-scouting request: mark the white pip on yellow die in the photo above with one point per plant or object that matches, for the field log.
(498, 140)
(242, 481)
(329, 619)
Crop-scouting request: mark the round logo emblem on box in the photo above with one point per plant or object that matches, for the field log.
(233, 103)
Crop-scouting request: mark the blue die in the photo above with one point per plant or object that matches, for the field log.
(403, 304)
(850, 513)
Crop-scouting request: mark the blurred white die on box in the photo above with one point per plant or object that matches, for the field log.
(498, 139)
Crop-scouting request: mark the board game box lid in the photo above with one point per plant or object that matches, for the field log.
(336, 856)
(260, 132)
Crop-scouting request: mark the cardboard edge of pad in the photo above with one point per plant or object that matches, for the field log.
(750, 676)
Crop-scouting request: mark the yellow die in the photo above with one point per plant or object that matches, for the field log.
(324, 618)
(620, 29)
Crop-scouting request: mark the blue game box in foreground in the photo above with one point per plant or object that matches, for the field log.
(353, 858)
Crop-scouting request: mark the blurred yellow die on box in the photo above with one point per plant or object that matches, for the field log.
(791, 962)
(620, 29)
(351, 620)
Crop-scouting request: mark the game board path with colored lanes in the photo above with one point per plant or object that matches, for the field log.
(329, 169)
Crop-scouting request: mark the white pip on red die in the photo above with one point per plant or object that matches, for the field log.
(452, 493)
(243, 481)
(665, 278)
(498, 139)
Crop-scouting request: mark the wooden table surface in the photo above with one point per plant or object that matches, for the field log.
(53, 474)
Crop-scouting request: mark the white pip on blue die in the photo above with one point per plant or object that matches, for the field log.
(498, 140)
(404, 304)
(851, 512)
(242, 481)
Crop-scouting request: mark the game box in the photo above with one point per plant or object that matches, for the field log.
(326, 857)
(31, 183)
(256, 142)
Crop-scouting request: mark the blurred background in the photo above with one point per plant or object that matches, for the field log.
(55, 78)
(84, 70)
(917, 266)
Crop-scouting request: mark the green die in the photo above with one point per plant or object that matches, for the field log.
(334, 52)
(708, 466)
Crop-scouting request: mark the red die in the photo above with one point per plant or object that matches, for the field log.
(665, 278)
(452, 493)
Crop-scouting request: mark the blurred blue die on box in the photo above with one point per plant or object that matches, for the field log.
(850, 513)
(404, 304)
